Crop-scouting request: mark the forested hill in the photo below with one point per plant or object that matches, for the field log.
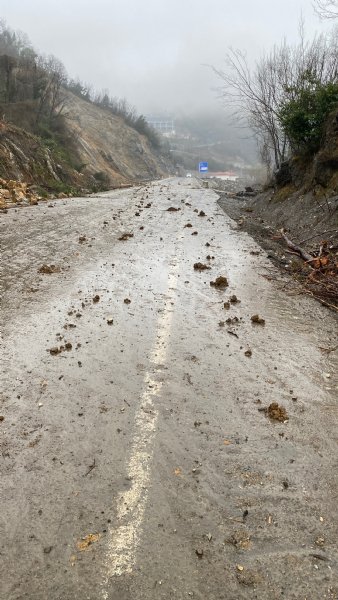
(58, 135)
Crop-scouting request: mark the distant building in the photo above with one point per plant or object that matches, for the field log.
(163, 125)
(225, 175)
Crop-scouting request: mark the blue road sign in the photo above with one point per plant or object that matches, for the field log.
(203, 167)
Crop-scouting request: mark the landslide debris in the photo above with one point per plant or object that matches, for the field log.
(220, 282)
(277, 413)
(49, 269)
(125, 236)
(16, 192)
(257, 320)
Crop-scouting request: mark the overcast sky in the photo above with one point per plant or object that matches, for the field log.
(152, 51)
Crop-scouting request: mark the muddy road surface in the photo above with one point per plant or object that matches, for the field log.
(141, 458)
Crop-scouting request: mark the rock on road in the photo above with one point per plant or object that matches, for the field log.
(138, 460)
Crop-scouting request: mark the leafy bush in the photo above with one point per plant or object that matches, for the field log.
(303, 115)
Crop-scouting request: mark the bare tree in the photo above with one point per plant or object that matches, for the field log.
(326, 9)
(54, 76)
(257, 92)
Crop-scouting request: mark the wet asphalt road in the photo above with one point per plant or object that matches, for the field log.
(139, 464)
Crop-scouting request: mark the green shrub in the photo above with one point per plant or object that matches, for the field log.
(303, 116)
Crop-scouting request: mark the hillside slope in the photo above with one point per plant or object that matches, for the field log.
(105, 144)
(97, 149)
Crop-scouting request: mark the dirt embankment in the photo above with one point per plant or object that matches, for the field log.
(308, 225)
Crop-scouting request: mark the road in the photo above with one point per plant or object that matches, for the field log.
(141, 463)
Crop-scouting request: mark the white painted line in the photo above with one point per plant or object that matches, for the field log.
(124, 540)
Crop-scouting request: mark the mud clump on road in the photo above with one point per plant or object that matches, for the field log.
(173, 209)
(127, 301)
(55, 350)
(277, 413)
(125, 236)
(49, 269)
(82, 239)
(232, 321)
(257, 320)
(198, 266)
(201, 213)
(240, 539)
(87, 541)
(220, 282)
(233, 299)
(96, 299)
(188, 225)
(248, 577)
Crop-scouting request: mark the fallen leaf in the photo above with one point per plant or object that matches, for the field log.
(86, 542)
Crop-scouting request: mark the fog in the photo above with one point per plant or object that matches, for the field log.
(154, 52)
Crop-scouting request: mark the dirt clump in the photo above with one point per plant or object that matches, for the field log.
(82, 239)
(277, 413)
(55, 350)
(49, 269)
(173, 209)
(240, 539)
(127, 301)
(125, 236)
(232, 321)
(249, 577)
(198, 266)
(86, 542)
(257, 320)
(201, 213)
(220, 282)
(188, 225)
(96, 299)
(233, 299)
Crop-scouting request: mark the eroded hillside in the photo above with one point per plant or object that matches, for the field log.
(106, 145)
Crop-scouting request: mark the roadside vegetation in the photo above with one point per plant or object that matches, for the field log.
(287, 96)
